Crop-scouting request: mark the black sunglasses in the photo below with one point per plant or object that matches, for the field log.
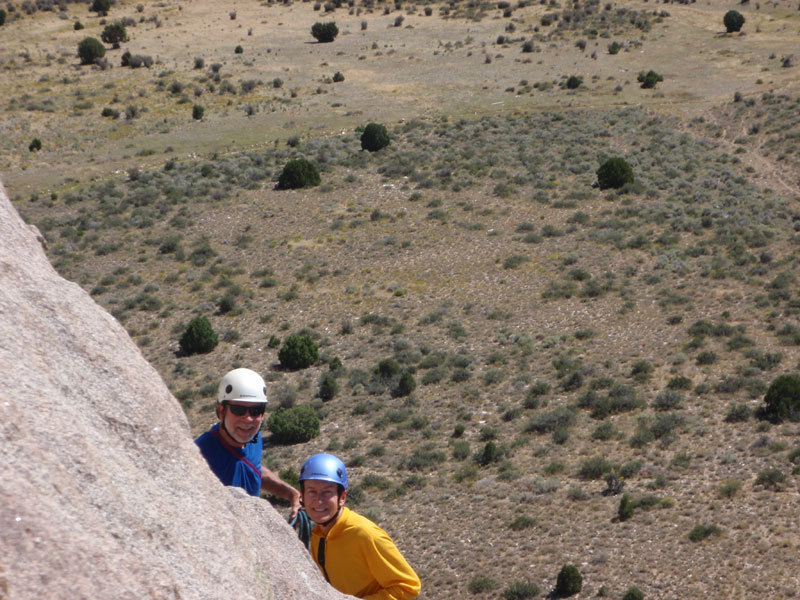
(255, 410)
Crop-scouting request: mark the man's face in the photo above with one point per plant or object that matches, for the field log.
(321, 499)
(241, 428)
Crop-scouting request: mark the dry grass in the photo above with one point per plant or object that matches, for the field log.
(429, 247)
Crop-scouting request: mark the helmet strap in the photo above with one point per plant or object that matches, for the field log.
(333, 518)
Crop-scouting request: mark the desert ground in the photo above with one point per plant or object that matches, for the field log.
(563, 338)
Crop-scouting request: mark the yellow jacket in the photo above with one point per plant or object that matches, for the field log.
(362, 560)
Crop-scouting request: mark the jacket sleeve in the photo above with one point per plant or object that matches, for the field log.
(396, 578)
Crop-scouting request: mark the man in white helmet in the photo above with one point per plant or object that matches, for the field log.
(233, 447)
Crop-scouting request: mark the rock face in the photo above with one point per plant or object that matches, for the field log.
(103, 493)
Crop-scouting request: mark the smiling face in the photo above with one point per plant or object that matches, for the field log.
(238, 430)
(322, 502)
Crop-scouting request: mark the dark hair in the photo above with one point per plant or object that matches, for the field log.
(339, 488)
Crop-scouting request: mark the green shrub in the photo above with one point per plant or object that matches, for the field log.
(782, 400)
(299, 351)
(298, 173)
(338, 77)
(197, 112)
(324, 32)
(633, 593)
(35, 145)
(101, 7)
(238, 50)
(569, 581)
(77, 26)
(573, 82)
(772, 479)
(650, 79)
(406, 385)
(729, 488)
(481, 583)
(199, 337)
(2, 17)
(733, 21)
(614, 173)
(490, 453)
(614, 47)
(294, 425)
(594, 468)
(701, 532)
(522, 522)
(374, 137)
(738, 413)
(388, 368)
(328, 387)
(90, 49)
(114, 34)
(625, 508)
(520, 590)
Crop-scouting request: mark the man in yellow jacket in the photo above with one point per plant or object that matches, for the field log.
(355, 555)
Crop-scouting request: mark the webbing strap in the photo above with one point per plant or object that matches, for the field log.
(237, 452)
(321, 558)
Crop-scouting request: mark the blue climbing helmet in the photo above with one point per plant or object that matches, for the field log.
(325, 467)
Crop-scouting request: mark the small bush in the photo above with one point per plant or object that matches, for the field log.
(701, 532)
(101, 7)
(90, 50)
(294, 425)
(481, 583)
(77, 26)
(522, 522)
(324, 32)
(299, 351)
(649, 80)
(633, 593)
(772, 479)
(738, 413)
(114, 34)
(569, 581)
(733, 21)
(238, 50)
(594, 468)
(374, 137)
(338, 77)
(614, 173)
(199, 337)
(2, 17)
(625, 509)
(328, 387)
(35, 145)
(614, 47)
(520, 590)
(298, 173)
(197, 112)
(782, 400)
(573, 82)
(406, 385)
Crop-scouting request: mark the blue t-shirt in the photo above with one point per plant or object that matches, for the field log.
(230, 463)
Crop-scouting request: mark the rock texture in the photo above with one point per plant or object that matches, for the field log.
(103, 493)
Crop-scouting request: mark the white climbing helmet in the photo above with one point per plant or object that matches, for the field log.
(242, 385)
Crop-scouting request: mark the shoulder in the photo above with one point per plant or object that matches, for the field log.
(207, 440)
(358, 525)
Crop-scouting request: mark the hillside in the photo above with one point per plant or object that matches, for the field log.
(557, 333)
